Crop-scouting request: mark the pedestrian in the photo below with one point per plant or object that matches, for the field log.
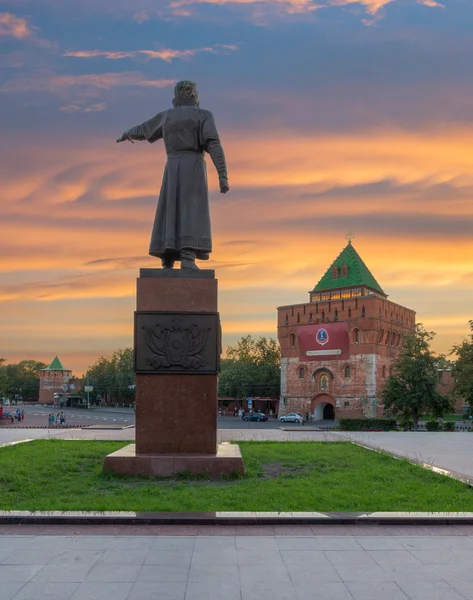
(63, 419)
(307, 416)
(52, 420)
(11, 418)
(58, 419)
(22, 415)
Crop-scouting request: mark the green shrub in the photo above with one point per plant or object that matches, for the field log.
(433, 425)
(447, 426)
(367, 424)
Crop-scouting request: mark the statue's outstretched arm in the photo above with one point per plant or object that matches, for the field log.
(151, 130)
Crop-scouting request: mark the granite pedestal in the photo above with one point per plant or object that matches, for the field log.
(177, 350)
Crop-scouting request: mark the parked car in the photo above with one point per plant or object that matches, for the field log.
(291, 418)
(255, 417)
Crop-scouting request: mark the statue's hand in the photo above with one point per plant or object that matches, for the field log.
(125, 137)
(224, 187)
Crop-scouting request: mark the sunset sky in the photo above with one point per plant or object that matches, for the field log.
(335, 115)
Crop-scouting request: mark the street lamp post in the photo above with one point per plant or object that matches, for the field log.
(132, 387)
(64, 388)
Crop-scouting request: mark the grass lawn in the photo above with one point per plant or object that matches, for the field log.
(281, 476)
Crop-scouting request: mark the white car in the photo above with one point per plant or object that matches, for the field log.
(291, 418)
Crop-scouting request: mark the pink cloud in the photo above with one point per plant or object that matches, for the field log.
(288, 6)
(431, 3)
(166, 54)
(13, 26)
(78, 108)
(102, 81)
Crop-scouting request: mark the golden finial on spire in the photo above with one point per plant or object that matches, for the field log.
(349, 236)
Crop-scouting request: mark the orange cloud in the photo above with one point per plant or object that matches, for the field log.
(371, 6)
(13, 26)
(166, 54)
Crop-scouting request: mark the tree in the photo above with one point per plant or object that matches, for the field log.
(252, 368)
(113, 377)
(3, 378)
(462, 370)
(23, 379)
(412, 389)
(442, 363)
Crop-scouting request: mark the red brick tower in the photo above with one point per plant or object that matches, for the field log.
(51, 381)
(338, 349)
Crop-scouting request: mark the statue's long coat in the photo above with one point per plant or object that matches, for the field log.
(183, 217)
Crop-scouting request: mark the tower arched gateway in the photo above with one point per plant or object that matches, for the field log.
(322, 407)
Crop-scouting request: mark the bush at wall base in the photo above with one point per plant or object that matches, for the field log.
(367, 424)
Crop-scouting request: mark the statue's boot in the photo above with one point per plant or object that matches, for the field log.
(167, 263)
(188, 260)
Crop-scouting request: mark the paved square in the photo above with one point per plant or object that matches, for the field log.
(379, 563)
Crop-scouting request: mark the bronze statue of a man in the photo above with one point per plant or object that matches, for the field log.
(181, 228)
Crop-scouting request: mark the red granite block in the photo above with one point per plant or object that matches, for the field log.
(176, 413)
(175, 295)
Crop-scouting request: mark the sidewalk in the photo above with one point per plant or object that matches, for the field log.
(450, 451)
(171, 563)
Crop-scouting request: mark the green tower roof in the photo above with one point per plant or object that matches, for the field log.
(56, 365)
(358, 272)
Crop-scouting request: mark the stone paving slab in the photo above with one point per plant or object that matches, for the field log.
(367, 563)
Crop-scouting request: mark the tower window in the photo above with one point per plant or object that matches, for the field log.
(363, 312)
(298, 318)
(344, 270)
(292, 339)
(334, 272)
(323, 316)
(335, 317)
(349, 312)
(387, 338)
(356, 336)
(347, 372)
(301, 373)
(384, 372)
(287, 319)
(310, 317)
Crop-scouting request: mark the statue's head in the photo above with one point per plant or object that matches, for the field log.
(185, 94)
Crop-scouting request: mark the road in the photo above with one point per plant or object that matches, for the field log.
(38, 416)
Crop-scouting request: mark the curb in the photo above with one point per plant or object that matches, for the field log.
(233, 518)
